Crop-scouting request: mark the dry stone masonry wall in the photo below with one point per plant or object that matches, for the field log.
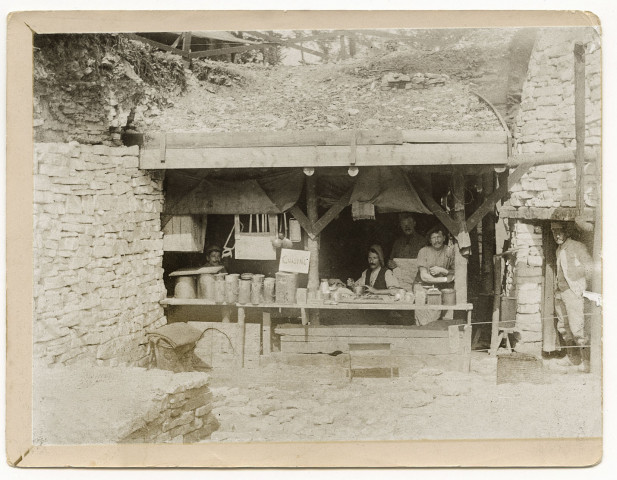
(84, 405)
(97, 252)
(528, 272)
(177, 414)
(545, 124)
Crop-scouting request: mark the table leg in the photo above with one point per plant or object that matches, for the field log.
(266, 330)
(305, 320)
(465, 352)
(241, 335)
(226, 314)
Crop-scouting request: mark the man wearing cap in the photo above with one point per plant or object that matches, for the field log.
(213, 257)
(410, 243)
(574, 270)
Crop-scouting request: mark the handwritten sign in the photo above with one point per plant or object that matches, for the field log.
(294, 261)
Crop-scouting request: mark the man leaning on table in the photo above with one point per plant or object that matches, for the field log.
(435, 269)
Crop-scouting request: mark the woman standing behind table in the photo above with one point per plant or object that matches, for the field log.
(377, 277)
(435, 268)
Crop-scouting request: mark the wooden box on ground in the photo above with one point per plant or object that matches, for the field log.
(409, 345)
(370, 360)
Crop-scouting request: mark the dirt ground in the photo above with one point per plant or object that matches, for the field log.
(300, 403)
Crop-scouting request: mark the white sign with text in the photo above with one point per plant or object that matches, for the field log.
(296, 261)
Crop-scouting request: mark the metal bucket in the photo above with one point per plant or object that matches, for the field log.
(433, 296)
(448, 296)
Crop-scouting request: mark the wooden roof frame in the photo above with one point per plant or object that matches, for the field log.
(359, 148)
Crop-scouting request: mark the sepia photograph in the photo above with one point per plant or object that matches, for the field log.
(255, 236)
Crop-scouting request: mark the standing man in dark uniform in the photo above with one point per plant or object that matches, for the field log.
(409, 244)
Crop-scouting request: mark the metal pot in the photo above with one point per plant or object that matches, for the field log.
(433, 296)
(448, 296)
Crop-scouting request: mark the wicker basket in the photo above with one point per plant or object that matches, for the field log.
(519, 368)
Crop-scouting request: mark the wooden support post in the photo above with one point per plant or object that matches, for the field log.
(266, 331)
(186, 48)
(352, 46)
(460, 265)
(579, 125)
(596, 284)
(313, 243)
(496, 304)
(241, 337)
(465, 350)
(488, 236)
(343, 49)
(550, 342)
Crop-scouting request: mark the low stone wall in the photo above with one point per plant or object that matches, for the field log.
(528, 278)
(98, 250)
(100, 405)
(180, 414)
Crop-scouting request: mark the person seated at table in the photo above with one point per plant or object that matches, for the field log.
(214, 257)
(377, 277)
(435, 269)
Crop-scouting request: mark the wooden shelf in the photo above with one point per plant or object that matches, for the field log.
(320, 306)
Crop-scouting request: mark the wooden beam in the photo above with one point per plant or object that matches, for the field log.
(313, 243)
(549, 158)
(453, 136)
(496, 304)
(186, 45)
(226, 51)
(488, 236)
(330, 156)
(304, 222)
(332, 212)
(177, 41)
(153, 43)
(460, 267)
(319, 138)
(490, 202)
(433, 206)
(547, 309)
(287, 43)
(579, 125)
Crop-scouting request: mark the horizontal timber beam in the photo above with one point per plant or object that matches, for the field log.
(155, 44)
(184, 140)
(324, 156)
(565, 156)
(227, 51)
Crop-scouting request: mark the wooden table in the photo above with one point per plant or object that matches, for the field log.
(266, 309)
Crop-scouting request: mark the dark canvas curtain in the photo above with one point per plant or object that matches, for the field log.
(388, 188)
(273, 193)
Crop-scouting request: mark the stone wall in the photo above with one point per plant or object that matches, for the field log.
(82, 404)
(528, 271)
(179, 413)
(98, 250)
(545, 124)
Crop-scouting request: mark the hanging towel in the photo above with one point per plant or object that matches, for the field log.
(362, 211)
